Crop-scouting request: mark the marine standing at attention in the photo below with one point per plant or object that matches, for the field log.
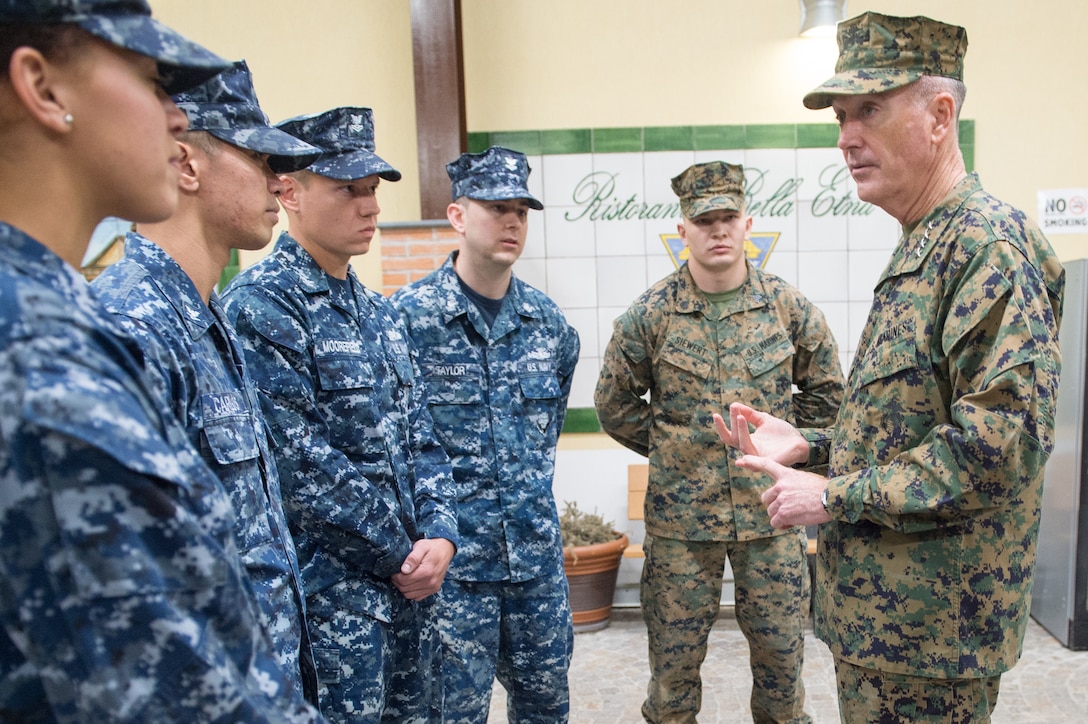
(716, 330)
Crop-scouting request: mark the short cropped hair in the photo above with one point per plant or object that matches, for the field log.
(928, 86)
(56, 41)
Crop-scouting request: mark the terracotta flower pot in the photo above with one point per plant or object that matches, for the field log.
(591, 573)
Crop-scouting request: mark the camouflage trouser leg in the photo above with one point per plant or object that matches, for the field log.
(680, 590)
(353, 653)
(370, 671)
(414, 693)
(869, 695)
(518, 632)
(680, 594)
(772, 584)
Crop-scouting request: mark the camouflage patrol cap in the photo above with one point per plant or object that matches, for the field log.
(879, 53)
(345, 137)
(708, 187)
(497, 174)
(128, 24)
(226, 107)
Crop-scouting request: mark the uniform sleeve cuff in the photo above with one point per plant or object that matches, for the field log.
(819, 446)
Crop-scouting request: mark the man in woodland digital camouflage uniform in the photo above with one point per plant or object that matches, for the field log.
(367, 487)
(716, 331)
(498, 358)
(163, 293)
(931, 509)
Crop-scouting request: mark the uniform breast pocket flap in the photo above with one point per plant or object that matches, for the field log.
(694, 359)
(229, 428)
(344, 372)
(539, 387)
(769, 354)
(887, 359)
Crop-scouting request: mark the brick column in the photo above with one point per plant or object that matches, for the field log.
(412, 250)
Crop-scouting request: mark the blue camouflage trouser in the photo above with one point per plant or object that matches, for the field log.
(870, 695)
(520, 633)
(680, 596)
(370, 671)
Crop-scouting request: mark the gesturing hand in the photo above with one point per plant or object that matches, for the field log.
(773, 438)
(796, 498)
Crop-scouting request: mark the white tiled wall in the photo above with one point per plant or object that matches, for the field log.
(595, 268)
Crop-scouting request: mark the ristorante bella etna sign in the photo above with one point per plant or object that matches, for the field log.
(595, 198)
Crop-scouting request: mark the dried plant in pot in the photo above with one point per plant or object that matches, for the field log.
(592, 550)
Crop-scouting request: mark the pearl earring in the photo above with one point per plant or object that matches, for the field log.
(68, 118)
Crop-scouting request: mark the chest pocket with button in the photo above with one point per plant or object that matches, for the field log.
(228, 427)
(769, 354)
(541, 393)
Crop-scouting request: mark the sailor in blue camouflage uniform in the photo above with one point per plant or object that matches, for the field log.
(163, 293)
(716, 330)
(122, 594)
(930, 512)
(498, 358)
(367, 487)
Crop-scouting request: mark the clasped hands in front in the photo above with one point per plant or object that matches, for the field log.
(771, 447)
(422, 572)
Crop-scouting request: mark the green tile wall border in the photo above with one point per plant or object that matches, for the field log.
(783, 135)
(581, 419)
(528, 142)
(669, 138)
(718, 138)
(967, 132)
(617, 140)
(575, 140)
(230, 270)
(817, 135)
(679, 138)
(478, 141)
(967, 143)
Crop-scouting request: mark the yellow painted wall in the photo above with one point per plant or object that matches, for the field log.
(310, 56)
(533, 64)
(573, 63)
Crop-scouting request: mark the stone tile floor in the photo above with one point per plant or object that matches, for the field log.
(609, 672)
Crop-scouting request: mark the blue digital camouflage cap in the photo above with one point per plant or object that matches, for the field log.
(879, 53)
(345, 137)
(496, 174)
(128, 24)
(226, 107)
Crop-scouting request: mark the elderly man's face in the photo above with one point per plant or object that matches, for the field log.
(887, 141)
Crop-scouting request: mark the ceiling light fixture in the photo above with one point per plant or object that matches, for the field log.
(819, 17)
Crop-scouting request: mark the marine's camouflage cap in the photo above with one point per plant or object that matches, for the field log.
(128, 24)
(497, 174)
(709, 187)
(879, 53)
(226, 107)
(345, 137)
